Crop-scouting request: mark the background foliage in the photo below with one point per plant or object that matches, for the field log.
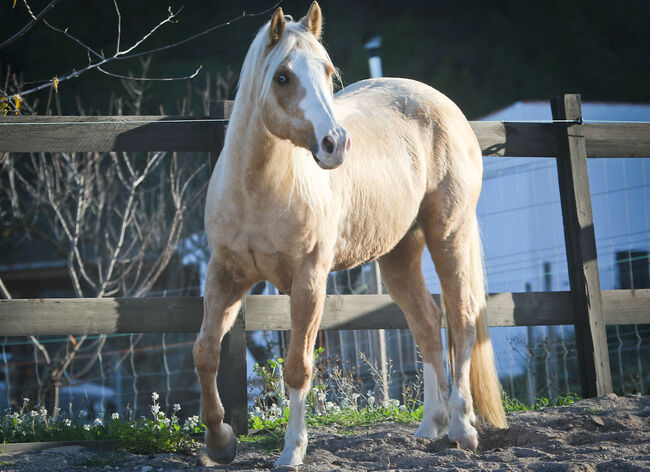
(484, 55)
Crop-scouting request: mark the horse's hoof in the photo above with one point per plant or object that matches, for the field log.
(469, 442)
(222, 456)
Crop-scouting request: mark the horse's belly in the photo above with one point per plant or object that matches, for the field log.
(365, 241)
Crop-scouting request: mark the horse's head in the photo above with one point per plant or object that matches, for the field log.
(296, 90)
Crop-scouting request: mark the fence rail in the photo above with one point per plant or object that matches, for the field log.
(568, 139)
(201, 133)
(58, 316)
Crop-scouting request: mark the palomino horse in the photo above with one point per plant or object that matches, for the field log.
(309, 182)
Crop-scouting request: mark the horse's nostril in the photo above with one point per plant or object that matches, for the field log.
(348, 143)
(328, 144)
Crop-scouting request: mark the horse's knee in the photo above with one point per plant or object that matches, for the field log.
(297, 373)
(206, 352)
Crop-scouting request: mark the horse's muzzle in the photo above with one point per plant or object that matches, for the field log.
(333, 149)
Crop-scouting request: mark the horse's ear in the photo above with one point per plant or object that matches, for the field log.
(313, 20)
(277, 27)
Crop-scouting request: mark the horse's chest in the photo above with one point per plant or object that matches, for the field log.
(259, 245)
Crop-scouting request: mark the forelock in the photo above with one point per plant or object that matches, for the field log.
(260, 64)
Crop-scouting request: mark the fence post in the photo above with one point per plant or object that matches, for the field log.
(579, 236)
(231, 379)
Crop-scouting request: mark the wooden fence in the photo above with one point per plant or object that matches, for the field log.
(568, 139)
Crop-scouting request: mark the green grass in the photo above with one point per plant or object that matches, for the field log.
(160, 433)
(269, 431)
(511, 405)
(352, 410)
(154, 434)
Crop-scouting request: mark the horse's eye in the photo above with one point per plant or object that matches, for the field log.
(282, 79)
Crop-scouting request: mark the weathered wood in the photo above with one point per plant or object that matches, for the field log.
(231, 379)
(579, 236)
(100, 316)
(106, 133)
(617, 139)
(187, 133)
(95, 445)
(626, 307)
(512, 139)
(271, 312)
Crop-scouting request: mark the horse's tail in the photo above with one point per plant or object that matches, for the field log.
(484, 380)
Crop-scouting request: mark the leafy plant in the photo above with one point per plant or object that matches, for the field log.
(145, 435)
(512, 404)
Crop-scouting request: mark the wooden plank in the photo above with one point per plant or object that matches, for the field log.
(60, 316)
(626, 307)
(100, 316)
(231, 379)
(617, 139)
(106, 133)
(95, 445)
(193, 133)
(575, 198)
(513, 139)
(380, 312)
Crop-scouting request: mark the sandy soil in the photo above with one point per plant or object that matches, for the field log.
(604, 434)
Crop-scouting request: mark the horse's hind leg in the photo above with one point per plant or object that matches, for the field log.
(223, 296)
(401, 271)
(452, 254)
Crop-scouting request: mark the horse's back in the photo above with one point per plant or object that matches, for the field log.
(397, 106)
(407, 97)
(409, 141)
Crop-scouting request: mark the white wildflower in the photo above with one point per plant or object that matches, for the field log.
(155, 396)
(98, 421)
(321, 396)
(371, 400)
(87, 427)
(191, 423)
(176, 407)
(33, 413)
(83, 413)
(155, 409)
(394, 403)
(115, 416)
(67, 422)
(166, 421)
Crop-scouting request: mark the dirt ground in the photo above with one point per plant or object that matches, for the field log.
(604, 434)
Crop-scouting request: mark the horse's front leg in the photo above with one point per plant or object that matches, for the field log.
(307, 298)
(223, 294)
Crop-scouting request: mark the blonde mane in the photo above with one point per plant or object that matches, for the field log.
(309, 183)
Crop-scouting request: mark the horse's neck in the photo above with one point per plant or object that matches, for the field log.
(256, 160)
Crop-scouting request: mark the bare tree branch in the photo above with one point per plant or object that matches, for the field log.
(29, 25)
(128, 53)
